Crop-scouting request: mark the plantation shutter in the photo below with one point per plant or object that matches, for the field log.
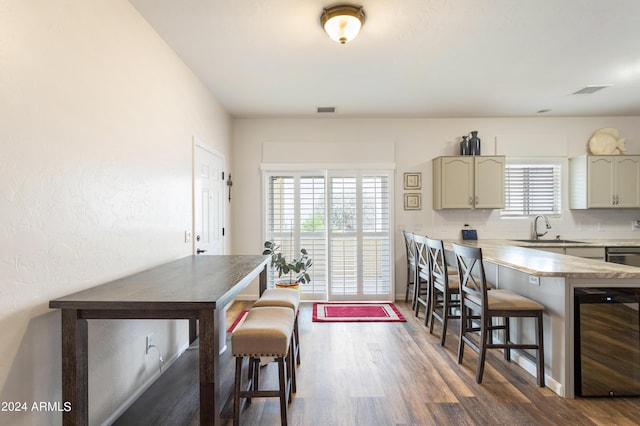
(532, 189)
(345, 227)
(313, 231)
(295, 220)
(360, 237)
(376, 236)
(343, 242)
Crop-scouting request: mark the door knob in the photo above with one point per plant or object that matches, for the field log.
(200, 251)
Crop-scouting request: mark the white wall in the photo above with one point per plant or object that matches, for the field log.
(97, 118)
(417, 141)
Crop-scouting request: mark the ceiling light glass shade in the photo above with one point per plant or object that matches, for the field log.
(342, 22)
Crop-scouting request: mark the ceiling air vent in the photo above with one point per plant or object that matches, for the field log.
(587, 90)
(326, 109)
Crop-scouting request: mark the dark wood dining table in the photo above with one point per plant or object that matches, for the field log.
(196, 288)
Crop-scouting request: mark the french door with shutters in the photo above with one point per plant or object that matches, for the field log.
(344, 221)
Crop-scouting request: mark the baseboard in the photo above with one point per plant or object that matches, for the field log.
(531, 368)
(129, 401)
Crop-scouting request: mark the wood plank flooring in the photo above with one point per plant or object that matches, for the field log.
(394, 374)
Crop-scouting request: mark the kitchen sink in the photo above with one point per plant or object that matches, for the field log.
(548, 242)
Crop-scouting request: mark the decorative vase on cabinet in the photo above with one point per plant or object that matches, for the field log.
(464, 146)
(474, 143)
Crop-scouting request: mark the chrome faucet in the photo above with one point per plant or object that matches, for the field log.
(537, 234)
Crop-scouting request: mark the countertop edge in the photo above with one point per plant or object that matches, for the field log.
(511, 254)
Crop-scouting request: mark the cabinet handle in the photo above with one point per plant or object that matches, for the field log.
(476, 200)
(470, 201)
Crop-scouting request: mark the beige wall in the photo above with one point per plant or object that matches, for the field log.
(416, 142)
(97, 121)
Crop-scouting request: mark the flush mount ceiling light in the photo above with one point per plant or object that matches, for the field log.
(342, 22)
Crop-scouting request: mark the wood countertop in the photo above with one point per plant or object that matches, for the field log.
(512, 254)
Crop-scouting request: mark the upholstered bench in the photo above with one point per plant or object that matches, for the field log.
(265, 332)
(285, 298)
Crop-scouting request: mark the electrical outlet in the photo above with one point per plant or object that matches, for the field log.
(635, 225)
(149, 341)
(187, 236)
(534, 280)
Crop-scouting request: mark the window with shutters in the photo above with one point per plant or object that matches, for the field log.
(532, 188)
(343, 219)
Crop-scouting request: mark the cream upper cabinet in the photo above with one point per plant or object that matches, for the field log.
(467, 182)
(489, 182)
(627, 181)
(605, 181)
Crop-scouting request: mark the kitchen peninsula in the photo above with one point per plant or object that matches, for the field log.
(551, 279)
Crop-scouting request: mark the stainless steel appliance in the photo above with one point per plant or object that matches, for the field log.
(623, 255)
(607, 341)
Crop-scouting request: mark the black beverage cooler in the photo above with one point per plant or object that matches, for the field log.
(607, 341)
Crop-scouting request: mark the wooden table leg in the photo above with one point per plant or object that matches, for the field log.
(263, 280)
(193, 330)
(209, 367)
(75, 381)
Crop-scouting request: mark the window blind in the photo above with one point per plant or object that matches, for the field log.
(343, 221)
(375, 235)
(532, 189)
(295, 216)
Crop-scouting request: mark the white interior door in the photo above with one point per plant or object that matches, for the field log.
(208, 200)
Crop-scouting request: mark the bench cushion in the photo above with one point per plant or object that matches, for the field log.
(266, 331)
(283, 297)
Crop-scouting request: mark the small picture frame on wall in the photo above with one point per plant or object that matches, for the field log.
(413, 181)
(412, 201)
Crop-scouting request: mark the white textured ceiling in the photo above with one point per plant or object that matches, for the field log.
(413, 58)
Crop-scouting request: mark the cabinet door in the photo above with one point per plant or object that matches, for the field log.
(489, 182)
(627, 181)
(596, 253)
(457, 182)
(600, 183)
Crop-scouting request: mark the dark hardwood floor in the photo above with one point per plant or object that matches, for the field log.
(386, 374)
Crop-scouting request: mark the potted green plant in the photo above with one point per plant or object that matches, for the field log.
(295, 270)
